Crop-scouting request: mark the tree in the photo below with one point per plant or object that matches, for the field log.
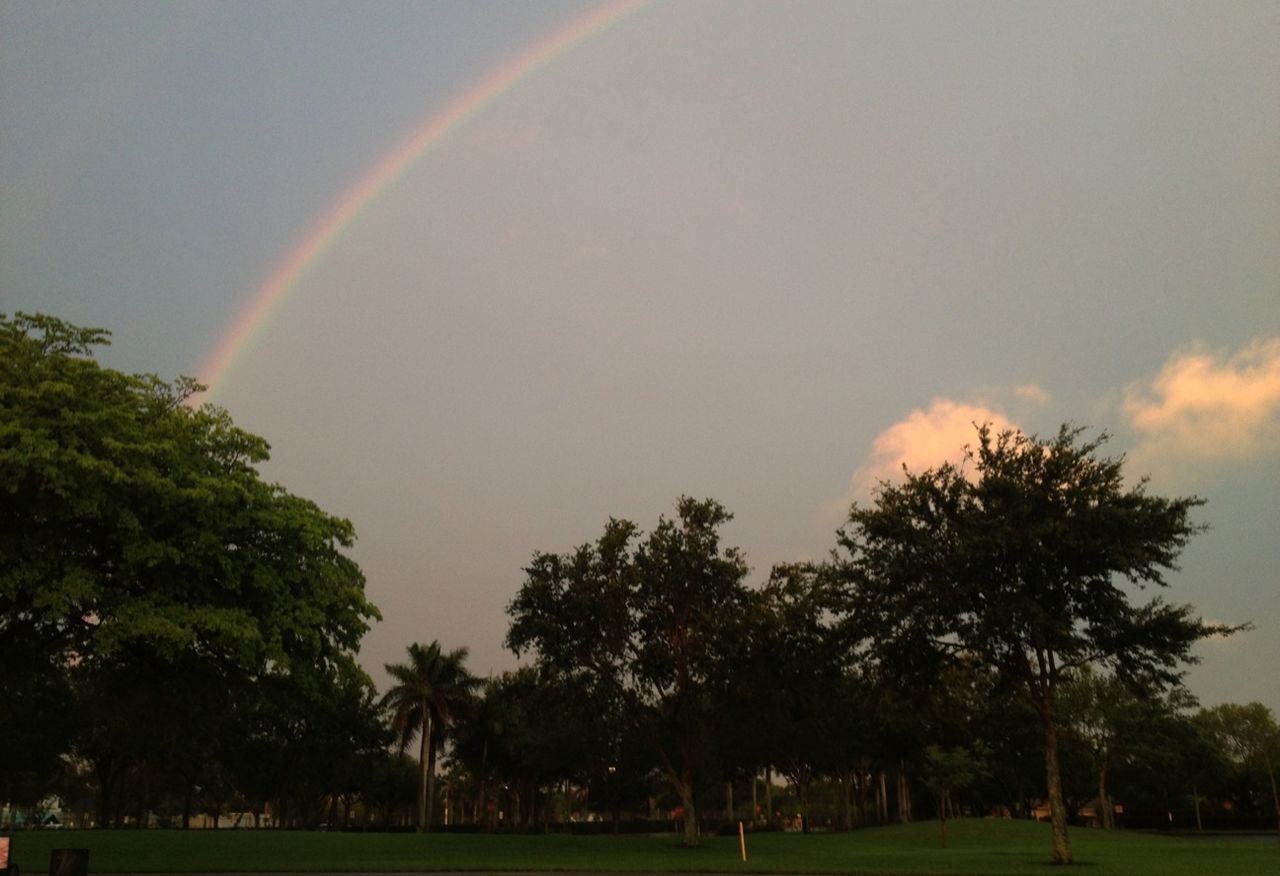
(131, 516)
(791, 698)
(651, 623)
(305, 738)
(531, 730)
(946, 770)
(32, 682)
(428, 691)
(1105, 719)
(137, 538)
(1019, 557)
(483, 740)
(1176, 759)
(1250, 734)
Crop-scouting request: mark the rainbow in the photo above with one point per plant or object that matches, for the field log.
(288, 274)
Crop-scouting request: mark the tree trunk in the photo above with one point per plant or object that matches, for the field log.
(1195, 796)
(864, 791)
(755, 801)
(728, 802)
(1053, 778)
(685, 790)
(425, 766)
(882, 801)
(104, 805)
(478, 812)
(904, 794)
(431, 785)
(768, 795)
(1275, 797)
(803, 788)
(1106, 814)
(942, 816)
(846, 821)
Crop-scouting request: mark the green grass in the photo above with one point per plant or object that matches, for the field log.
(977, 846)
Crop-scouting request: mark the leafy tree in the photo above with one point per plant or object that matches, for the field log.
(139, 545)
(1174, 755)
(1014, 770)
(649, 623)
(1099, 715)
(529, 731)
(1192, 752)
(1019, 557)
(1107, 720)
(428, 691)
(391, 788)
(1250, 734)
(481, 743)
(32, 683)
(946, 770)
(132, 516)
(791, 689)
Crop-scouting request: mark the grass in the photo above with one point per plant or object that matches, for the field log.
(977, 846)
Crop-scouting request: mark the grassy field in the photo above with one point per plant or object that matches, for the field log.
(977, 846)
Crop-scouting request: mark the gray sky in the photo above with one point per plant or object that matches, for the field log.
(759, 252)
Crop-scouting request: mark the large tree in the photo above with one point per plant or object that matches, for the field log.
(428, 691)
(650, 622)
(135, 531)
(132, 518)
(1022, 556)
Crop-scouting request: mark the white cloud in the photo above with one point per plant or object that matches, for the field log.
(923, 439)
(1205, 406)
(1032, 393)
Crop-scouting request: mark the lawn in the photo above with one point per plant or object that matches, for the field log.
(977, 846)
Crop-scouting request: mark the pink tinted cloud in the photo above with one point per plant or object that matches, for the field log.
(1204, 405)
(1032, 393)
(923, 439)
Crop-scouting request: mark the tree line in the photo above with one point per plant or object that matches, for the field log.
(179, 637)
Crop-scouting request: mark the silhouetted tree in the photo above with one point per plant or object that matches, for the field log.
(1019, 557)
(427, 692)
(649, 622)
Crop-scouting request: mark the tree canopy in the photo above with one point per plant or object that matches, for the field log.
(650, 620)
(133, 518)
(1022, 555)
(138, 541)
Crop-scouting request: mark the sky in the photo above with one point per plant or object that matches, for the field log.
(760, 252)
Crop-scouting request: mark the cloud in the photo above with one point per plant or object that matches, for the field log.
(1032, 393)
(1208, 407)
(923, 439)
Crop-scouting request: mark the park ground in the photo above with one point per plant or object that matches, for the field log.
(976, 846)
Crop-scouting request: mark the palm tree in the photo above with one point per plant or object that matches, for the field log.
(428, 691)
